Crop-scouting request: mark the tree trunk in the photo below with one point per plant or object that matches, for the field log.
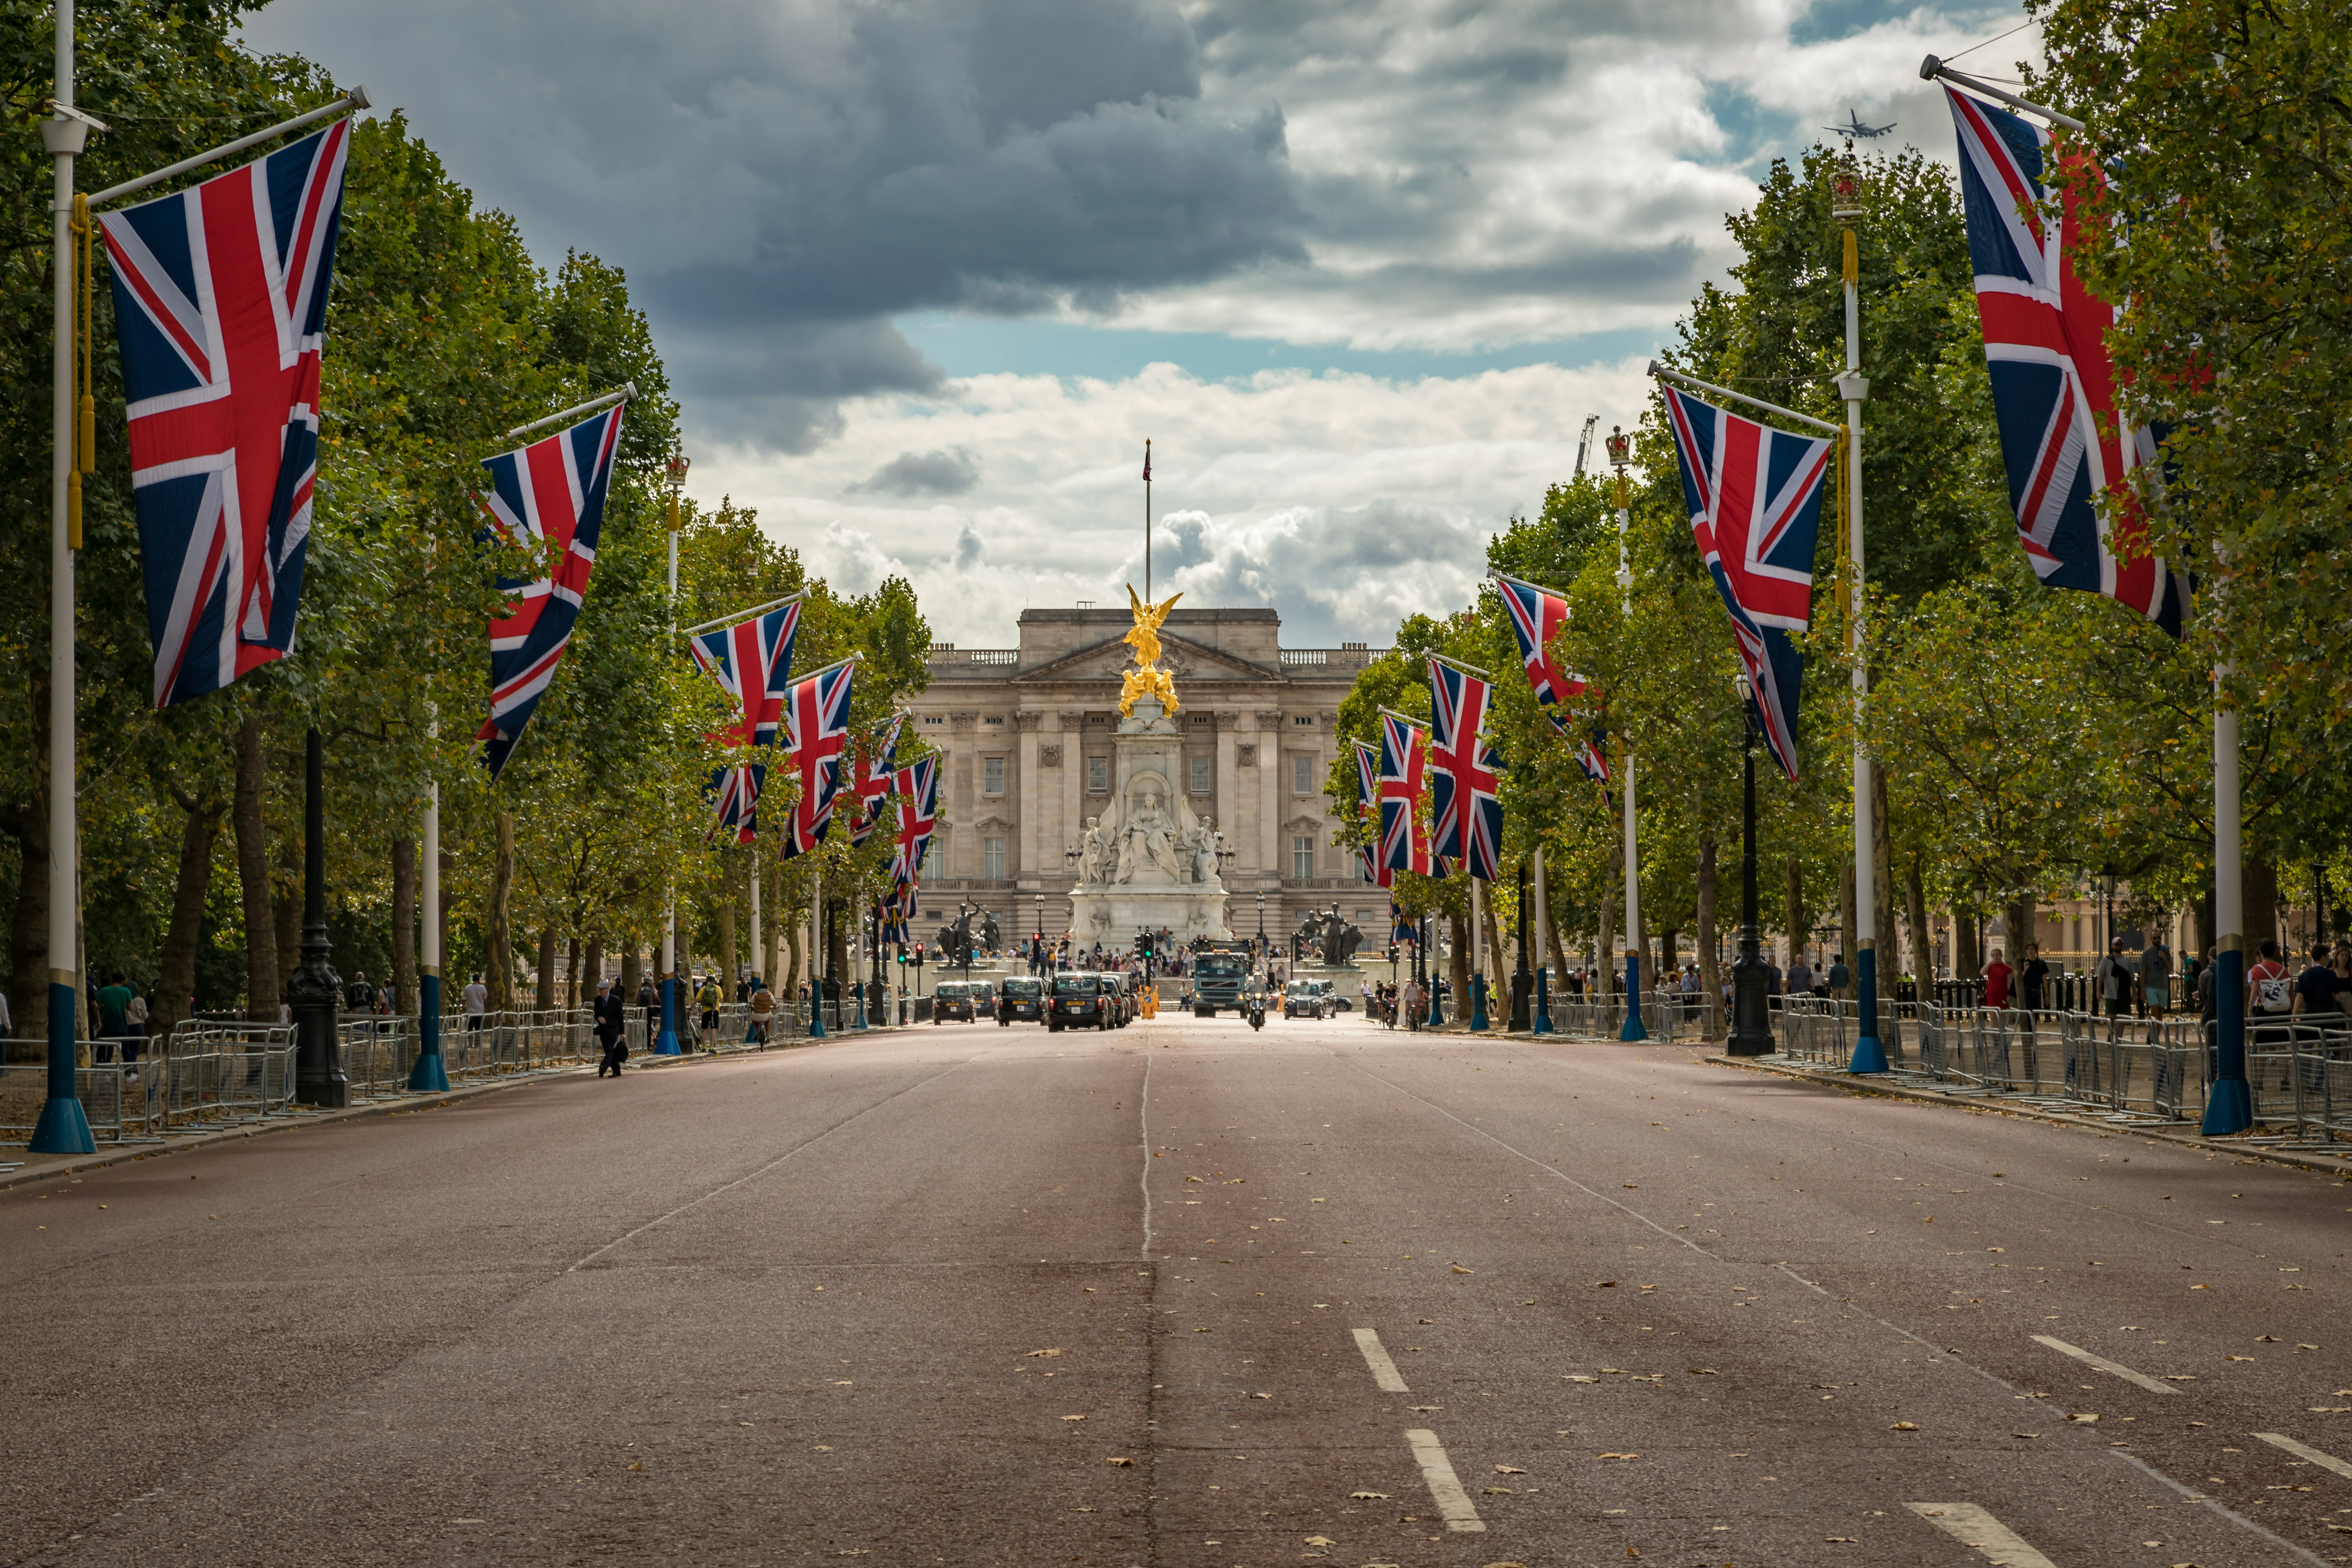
(250, 821)
(792, 936)
(591, 971)
(1670, 944)
(836, 949)
(404, 997)
(288, 886)
(1604, 973)
(727, 937)
(1915, 905)
(633, 972)
(1882, 876)
(1498, 974)
(1966, 963)
(1460, 968)
(500, 936)
(440, 918)
(28, 929)
(543, 995)
(1798, 919)
(1710, 975)
(2016, 924)
(1849, 930)
(2260, 897)
(176, 982)
(572, 970)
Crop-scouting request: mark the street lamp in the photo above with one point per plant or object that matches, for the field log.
(1620, 452)
(1523, 980)
(1751, 1021)
(1261, 924)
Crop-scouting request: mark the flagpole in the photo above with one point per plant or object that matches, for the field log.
(1478, 1024)
(63, 1128)
(755, 916)
(665, 1041)
(1869, 1054)
(429, 1074)
(818, 953)
(2229, 1099)
(1542, 1025)
(1147, 520)
(1620, 446)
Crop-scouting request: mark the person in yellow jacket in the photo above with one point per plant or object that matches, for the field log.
(707, 999)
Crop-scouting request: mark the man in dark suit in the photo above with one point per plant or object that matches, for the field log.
(610, 1030)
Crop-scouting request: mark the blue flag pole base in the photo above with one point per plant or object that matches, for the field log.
(428, 1074)
(1478, 1004)
(62, 1129)
(1542, 1025)
(1633, 1029)
(1869, 1056)
(665, 1041)
(816, 1016)
(2229, 1108)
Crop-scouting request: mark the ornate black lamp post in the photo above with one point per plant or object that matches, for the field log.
(1523, 980)
(1751, 1021)
(315, 991)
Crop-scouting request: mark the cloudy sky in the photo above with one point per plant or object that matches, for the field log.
(928, 272)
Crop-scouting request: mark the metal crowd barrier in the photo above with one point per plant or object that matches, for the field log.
(25, 1089)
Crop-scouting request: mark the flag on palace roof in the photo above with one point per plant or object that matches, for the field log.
(2053, 385)
(1755, 499)
(548, 500)
(1466, 811)
(220, 309)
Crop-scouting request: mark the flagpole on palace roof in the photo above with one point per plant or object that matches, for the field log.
(63, 1128)
(1147, 520)
(1869, 1054)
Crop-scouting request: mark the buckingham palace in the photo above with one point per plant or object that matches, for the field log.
(1026, 733)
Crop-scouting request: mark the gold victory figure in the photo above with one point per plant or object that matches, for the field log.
(1147, 678)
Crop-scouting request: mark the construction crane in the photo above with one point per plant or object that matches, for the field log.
(1584, 443)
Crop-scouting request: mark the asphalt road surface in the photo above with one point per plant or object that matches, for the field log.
(1184, 1295)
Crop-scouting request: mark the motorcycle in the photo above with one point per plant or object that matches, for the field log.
(1257, 1012)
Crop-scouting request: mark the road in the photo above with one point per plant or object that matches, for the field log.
(1181, 1295)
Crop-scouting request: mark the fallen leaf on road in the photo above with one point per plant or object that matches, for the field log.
(1497, 1491)
(1905, 1426)
(2179, 1377)
(1996, 1250)
(1261, 1397)
(1368, 1496)
(1122, 1464)
(2200, 1286)
(2025, 1433)
(1579, 1377)
(1073, 1418)
(1616, 1455)
(1929, 1220)
(1193, 1178)
(1509, 1470)
(1320, 1541)
(2258, 1338)
(1635, 1187)
(1459, 1269)
(1849, 1540)
(2085, 1417)
(1700, 1370)
(2238, 1358)
(1045, 1353)
(637, 1463)
(1604, 1284)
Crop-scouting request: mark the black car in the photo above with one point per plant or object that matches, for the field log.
(1117, 997)
(1075, 999)
(953, 999)
(1022, 997)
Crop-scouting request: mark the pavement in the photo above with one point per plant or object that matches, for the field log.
(942, 1297)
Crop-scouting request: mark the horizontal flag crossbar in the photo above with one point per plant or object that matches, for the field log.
(1931, 68)
(1416, 724)
(622, 393)
(355, 99)
(739, 617)
(1465, 667)
(1692, 383)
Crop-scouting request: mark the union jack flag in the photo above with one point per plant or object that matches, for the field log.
(1368, 811)
(1463, 803)
(548, 497)
(1537, 615)
(1404, 838)
(1402, 926)
(917, 790)
(890, 923)
(2054, 386)
(752, 663)
(737, 791)
(818, 708)
(1755, 499)
(875, 764)
(220, 309)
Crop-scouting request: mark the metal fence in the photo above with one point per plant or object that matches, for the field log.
(203, 1074)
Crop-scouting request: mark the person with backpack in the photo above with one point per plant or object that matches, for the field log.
(707, 999)
(612, 1029)
(763, 1011)
(2269, 993)
(2114, 979)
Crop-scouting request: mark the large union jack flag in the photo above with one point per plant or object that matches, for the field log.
(548, 500)
(1537, 616)
(1755, 499)
(1405, 837)
(817, 708)
(751, 661)
(917, 787)
(2053, 387)
(1463, 805)
(220, 309)
(1372, 867)
(876, 765)
(736, 791)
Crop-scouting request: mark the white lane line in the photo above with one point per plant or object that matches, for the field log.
(2325, 1461)
(2192, 1495)
(2113, 1369)
(1973, 1527)
(1145, 1179)
(1376, 1356)
(1438, 1471)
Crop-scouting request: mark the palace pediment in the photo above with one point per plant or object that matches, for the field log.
(1183, 657)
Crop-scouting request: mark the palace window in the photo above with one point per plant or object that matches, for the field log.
(1302, 720)
(1302, 858)
(1200, 775)
(991, 774)
(1302, 776)
(1098, 775)
(991, 858)
(934, 719)
(995, 719)
(935, 859)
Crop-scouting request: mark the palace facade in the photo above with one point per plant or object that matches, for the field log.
(1026, 738)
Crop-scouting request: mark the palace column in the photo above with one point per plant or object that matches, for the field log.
(1228, 810)
(1026, 807)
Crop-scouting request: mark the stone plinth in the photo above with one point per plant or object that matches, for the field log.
(1147, 863)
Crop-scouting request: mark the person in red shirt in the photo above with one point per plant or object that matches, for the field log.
(1996, 982)
(2268, 991)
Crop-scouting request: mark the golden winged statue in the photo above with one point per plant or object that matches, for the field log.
(1147, 678)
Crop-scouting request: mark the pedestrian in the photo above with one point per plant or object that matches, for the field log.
(112, 998)
(476, 999)
(2268, 991)
(2156, 978)
(708, 1000)
(2342, 965)
(1800, 975)
(134, 1030)
(1997, 976)
(8, 1019)
(2316, 987)
(2035, 979)
(2114, 976)
(358, 996)
(612, 1029)
(1839, 977)
(763, 1011)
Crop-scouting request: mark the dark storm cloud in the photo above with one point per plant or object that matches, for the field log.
(947, 472)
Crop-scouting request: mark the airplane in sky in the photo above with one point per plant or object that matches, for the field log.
(1856, 127)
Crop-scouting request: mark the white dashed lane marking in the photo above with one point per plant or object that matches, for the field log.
(1438, 1471)
(1973, 1527)
(2325, 1461)
(2113, 1369)
(1376, 1356)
